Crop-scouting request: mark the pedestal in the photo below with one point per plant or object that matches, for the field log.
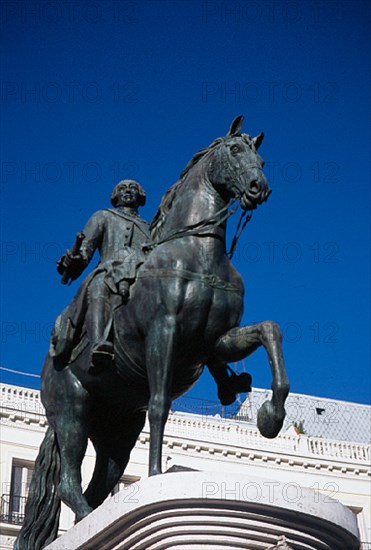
(214, 511)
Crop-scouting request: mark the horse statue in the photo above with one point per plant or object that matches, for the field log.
(184, 313)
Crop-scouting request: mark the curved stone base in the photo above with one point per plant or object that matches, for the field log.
(212, 511)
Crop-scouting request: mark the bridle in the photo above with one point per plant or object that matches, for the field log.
(202, 228)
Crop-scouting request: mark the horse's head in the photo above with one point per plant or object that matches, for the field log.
(235, 169)
(231, 165)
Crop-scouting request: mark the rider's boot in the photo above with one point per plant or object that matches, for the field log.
(102, 350)
(229, 383)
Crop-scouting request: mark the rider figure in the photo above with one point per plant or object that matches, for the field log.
(118, 233)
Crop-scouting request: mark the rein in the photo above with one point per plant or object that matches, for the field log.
(197, 228)
(238, 231)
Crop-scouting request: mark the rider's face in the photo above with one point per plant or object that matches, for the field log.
(129, 194)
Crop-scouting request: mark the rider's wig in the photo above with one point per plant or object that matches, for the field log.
(116, 190)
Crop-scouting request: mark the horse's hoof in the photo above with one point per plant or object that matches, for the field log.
(83, 514)
(154, 472)
(268, 421)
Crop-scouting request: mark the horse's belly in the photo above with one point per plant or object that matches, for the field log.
(130, 359)
(184, 377)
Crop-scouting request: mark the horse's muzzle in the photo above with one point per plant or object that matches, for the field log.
(254, 196)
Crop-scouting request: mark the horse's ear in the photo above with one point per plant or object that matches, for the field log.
(235, 126)
(257, 141)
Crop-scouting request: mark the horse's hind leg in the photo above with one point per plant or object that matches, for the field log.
(240, 342)
(72, 435)
(113, 449)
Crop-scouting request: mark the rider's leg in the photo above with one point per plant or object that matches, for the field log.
(97, 319)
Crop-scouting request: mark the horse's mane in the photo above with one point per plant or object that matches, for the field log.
(168, 199)
(163, 209)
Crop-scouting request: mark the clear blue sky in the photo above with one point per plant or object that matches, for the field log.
(94, 91)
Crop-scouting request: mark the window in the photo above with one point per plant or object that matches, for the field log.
(14, 502)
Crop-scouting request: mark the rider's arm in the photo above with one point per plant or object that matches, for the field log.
(93, 232)
(74, 264)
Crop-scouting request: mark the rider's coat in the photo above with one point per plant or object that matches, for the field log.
(119, 237)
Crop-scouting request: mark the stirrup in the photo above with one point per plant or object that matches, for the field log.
(101, 357)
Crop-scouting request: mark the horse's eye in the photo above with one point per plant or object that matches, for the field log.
(235, 149)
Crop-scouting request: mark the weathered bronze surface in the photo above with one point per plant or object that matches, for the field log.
(160, 306)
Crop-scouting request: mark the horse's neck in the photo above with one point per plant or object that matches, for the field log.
(196, 202)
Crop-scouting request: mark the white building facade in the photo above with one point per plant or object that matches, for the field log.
(332, 456)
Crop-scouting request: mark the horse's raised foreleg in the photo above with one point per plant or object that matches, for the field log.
(240, 342)
(160, 350)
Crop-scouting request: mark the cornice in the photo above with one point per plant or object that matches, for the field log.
(217, 438)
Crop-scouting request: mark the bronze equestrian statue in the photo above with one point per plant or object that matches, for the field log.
(183, 313)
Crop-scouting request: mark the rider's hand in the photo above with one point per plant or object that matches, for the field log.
(73, 264)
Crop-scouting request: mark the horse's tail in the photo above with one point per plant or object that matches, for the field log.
(40, 526)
